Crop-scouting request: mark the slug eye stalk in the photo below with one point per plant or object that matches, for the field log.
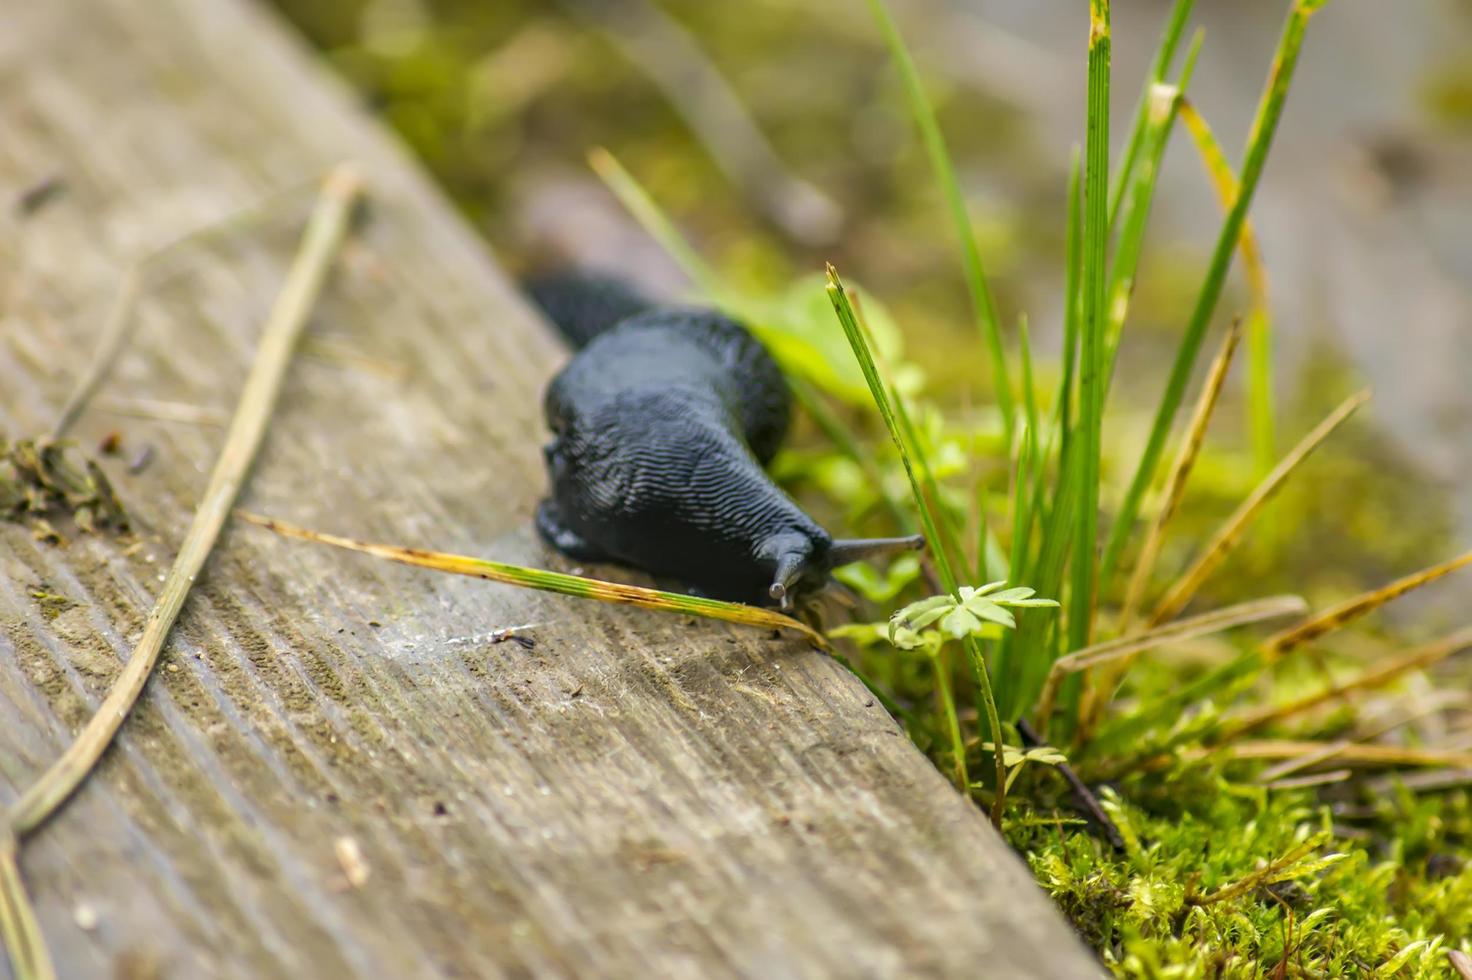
(849, 550)
(790, 569)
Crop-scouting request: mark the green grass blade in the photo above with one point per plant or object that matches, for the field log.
(1028, 484)
(1165, 102)
(1176, 482)
(877, 389)
(652, 219)
(1165, 53)
(848, 319)
(1028, 653)
(547, 581)
(1028, 668)
(1260, 411)
(1072, 273)
(991, 560)
(942, 666)
(1264, 126)
(1029, 388)
(983, 532)
(1022, 498)
(1091, 355)
(1024, 481)
(945, 173)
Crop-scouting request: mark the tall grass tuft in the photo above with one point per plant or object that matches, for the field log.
(1259, 141)
(1091, 349)
(1057, 474)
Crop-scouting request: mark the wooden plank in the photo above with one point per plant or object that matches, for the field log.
(635, 796)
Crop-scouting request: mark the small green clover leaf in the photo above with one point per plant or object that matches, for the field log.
(1015, 759)
(958, 622)
(1013, 756)
(975, 611)
(904, 637)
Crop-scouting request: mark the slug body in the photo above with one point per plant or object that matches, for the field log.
(662, 423)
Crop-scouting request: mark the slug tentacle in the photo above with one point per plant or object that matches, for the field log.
(846, 550)
(662, 423)
(793, 561)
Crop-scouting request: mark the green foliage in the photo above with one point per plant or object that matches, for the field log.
(1219, 879)
(797, 326)
(880, 587)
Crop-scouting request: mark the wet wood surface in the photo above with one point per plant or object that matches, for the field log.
(338, 770)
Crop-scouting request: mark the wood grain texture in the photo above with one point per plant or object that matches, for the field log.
(635, 796)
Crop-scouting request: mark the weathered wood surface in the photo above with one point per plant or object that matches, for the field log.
(637, 796)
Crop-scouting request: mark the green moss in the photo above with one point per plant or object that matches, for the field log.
(42, 480)
(1197, 893)
(51, 604)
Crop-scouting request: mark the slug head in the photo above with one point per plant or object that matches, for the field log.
(803, 566)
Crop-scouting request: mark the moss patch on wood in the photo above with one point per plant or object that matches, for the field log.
(42, 481)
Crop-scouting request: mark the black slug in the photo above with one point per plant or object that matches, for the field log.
(662, 423)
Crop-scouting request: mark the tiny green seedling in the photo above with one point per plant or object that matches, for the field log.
(940, 618)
